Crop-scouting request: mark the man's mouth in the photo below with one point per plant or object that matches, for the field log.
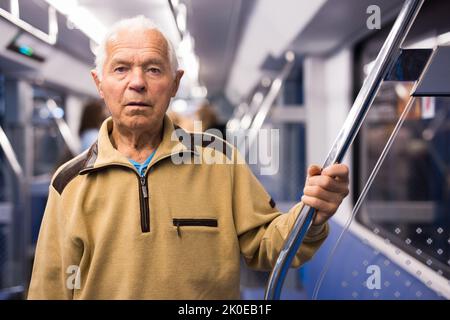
(138, 103)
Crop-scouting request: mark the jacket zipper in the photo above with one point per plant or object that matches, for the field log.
(145, 209)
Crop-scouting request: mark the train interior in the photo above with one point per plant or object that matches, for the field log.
(290, 67)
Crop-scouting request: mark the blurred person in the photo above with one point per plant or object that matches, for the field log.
(209, 118)
(93, 115)
(181, 120)
(126, 221)
(207, 115)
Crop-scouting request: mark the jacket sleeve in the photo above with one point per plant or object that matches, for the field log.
(261, 228)
(55, 262)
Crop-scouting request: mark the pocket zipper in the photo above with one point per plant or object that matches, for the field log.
(193, 223)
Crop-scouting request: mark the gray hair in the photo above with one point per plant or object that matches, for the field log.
(138, 23)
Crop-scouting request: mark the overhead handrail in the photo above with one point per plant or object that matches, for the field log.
(234, 122)
(269, 99)
(385, 60)
(245, 111)
(256, 103)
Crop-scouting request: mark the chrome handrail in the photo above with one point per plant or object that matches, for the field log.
(246, 120)
(63, 127)
(10, 155)
(269, 99)
(385, 60)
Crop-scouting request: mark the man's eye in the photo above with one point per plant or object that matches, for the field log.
(120, 69)
(154, 70)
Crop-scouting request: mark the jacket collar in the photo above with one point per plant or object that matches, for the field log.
(103, 154)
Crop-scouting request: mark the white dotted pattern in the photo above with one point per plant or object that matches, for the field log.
(386, 284)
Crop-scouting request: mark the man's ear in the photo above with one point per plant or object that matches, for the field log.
(98, 82)
(178, 76)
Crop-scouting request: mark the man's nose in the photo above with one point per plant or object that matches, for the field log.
(137, 81)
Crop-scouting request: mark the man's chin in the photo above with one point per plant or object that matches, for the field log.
(141, 121)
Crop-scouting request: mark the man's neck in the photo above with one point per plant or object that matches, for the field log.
(136, 145)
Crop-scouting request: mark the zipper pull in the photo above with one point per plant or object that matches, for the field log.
(178, 229)
(144, 187)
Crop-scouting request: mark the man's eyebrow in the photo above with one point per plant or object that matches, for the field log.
(153, 61)
(119, 61)
(156, 61)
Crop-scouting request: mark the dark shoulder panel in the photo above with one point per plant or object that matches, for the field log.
(67, 174)
(70, 171)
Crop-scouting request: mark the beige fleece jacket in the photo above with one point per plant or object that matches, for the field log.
(177, 233)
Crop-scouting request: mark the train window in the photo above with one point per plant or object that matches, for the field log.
(409, 200)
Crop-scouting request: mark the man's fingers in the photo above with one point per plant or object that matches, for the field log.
(320, 219)
(337, 171)
(322, 194)
(327, 183)
(325, 189)
(314, 170)
(322, 206)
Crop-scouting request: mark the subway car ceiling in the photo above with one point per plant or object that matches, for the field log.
(232, 61)
(233, 51)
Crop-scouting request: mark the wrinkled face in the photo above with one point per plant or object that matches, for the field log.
(137, 81)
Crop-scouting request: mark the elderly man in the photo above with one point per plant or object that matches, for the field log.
(124, 221)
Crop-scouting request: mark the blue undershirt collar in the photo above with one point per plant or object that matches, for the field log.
(140, 167)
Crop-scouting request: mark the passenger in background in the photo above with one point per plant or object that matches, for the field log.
(205, 113)
(94, 114)
(181, 120)
(208, 116)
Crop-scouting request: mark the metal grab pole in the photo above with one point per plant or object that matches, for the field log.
(385, 60)
(63, 127)
(10, 155)
(247, 118)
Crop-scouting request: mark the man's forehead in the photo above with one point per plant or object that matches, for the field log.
(148, 40)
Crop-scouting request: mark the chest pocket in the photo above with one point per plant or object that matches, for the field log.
(181, 223)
